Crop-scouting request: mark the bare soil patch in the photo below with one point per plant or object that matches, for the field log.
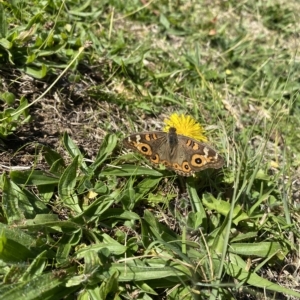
(66, 108)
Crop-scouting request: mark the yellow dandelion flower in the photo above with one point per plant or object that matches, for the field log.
(185, 125)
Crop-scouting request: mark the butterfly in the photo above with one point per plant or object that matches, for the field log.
(176, 152)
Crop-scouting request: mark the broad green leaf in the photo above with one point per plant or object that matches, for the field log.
(164, 21)
(196, 202)
(15, 203)
(46, 192)
(37, 73)
(30, 290)
(159, 197)
(8, 97)
(146, 288)
(18, 235)
(35, 200)
(73, 150)
(114, 248)
(107, 243)
(54, 160)
(14, 273)
(223, 208)
(66, 242)
(129, 198)
(44, 219)
(66, 187)
(96, 210)
(36, 267)
(3, 22)
(119, 214)
(13, 251)
(262, 249)
(43, 222)
(100, 188)
(195, 220)
(152, 269)
(217, 238)
(244, 236)
(130, 170)
(236, 268)
(30, 58)
(145, 186)
(106, 149)
(109, 286)
(158, 230)
(34, 177)
(89, 293)
(5, 43)
(181, 292)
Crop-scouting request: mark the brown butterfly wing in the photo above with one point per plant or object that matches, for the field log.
(194, 156)
(153, 145)
(179, 153)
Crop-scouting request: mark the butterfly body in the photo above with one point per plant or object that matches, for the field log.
(179, 153)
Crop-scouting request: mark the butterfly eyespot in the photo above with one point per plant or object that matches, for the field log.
(166, 164)
(176, 166)
(197, 160)
(145, 149)
(155, 158)
(186, 166)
